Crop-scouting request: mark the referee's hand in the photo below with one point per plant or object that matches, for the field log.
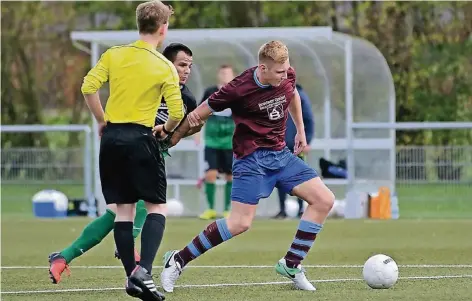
(158, 131)
(101, 126)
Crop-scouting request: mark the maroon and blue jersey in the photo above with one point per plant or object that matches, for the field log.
(259, 111)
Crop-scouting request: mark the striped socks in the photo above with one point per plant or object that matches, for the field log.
(302, 243)
(216, 233)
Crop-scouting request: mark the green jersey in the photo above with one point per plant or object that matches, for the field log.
(219, 128)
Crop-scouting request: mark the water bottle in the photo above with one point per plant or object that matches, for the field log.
(394, 206)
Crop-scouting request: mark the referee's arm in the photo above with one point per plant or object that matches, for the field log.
(173, 97)
(93, 81)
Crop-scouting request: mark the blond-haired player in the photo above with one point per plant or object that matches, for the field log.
(260, 100)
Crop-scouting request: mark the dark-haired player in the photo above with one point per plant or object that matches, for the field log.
(260, 100)
(182, 58)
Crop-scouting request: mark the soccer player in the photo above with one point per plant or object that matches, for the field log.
(131, 167)
(290, 133)
(218, 147)
(181, 56)
(260, 99)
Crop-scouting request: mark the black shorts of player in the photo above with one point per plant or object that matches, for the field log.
(219, 159)
(131, 167)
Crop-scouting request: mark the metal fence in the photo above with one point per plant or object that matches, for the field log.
(24, 171)
(434, 164)
(42, 165)
(431, 181)
(434, 181)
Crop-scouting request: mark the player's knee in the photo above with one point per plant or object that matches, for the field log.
(328, 199)
(211, 176)
(325, 200)
(156, 208)
(322, 200)
(125, 212)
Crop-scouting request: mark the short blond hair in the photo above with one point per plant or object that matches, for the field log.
(151, 15)
(273, 51)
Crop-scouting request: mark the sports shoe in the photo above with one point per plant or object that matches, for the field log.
(137, 257)
(133, 290)
(280, 215)
(57, 265)
(208, 214)
(143, 280)
(170, 272)
(297, 275)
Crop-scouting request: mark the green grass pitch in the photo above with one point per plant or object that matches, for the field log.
(434, 255)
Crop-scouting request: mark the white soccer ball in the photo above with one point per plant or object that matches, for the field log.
(291, 207)
(338, 208)
(175, 207)
(380, 271)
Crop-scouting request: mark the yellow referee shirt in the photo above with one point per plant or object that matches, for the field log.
(139, 77)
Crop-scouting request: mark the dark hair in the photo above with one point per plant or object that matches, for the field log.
(170, 52)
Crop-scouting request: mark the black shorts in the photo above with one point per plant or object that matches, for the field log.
(131, 167)
(219, 159)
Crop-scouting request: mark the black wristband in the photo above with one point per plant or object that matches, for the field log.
(164, 130)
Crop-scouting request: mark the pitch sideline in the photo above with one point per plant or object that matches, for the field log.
(228, 284)
(419, 266)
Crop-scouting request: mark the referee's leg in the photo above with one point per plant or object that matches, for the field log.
(150, 184)
(116, 190)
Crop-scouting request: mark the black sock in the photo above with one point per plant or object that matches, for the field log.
(124, 241)
(151, 238)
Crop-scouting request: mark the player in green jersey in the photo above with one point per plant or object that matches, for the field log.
(218, 136)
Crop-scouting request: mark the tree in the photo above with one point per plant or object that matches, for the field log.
(38, 62)
(427, 46)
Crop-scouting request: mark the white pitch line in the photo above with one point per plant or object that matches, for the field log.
(228, 284)
(422, 266)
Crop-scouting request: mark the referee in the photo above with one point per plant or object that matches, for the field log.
(131, 168)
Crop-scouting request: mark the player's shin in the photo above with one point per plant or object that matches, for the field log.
(302, 243)
(92, 235)
(151, 237)
(214, 234)
(309, 227)
(123, 233)
(210, 191)
(139, 219)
